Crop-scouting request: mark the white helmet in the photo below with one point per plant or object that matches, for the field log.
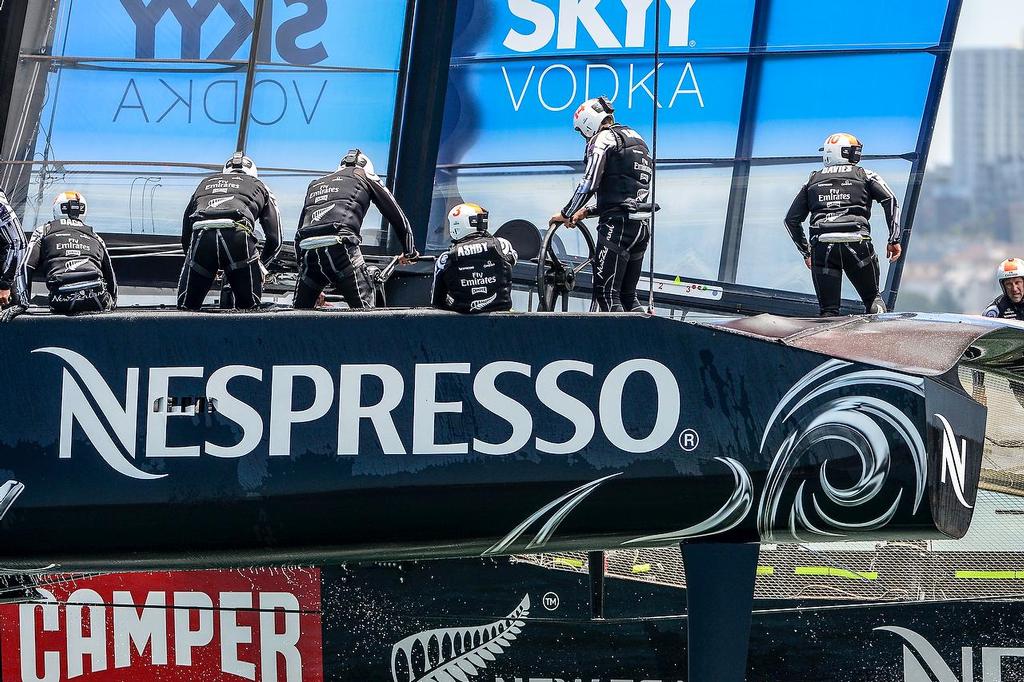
(240, 163)
(466, 219)
(841, 148)
(69, 205)
(591, 115)
(1010, 268)
(356, 157)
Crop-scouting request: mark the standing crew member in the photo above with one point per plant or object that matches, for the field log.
(12, 246)
(618, 172)
(838, 199)
(327, 241)
(218, 232)
(475, 274)
(79, 274)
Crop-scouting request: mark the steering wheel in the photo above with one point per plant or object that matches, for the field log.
(557, 279)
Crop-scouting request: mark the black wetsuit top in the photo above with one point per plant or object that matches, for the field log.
(70, 253)
(238, 197)
(336, 205)
(1005, 308)
(475, 275)
(838, 199)
(618, 171)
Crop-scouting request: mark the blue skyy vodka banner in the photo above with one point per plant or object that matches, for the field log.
(177, 94)
(520, 67)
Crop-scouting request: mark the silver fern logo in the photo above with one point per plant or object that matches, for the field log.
(321, 212)
(456, 654)
(861, 422)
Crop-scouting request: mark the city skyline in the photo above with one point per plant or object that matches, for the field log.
(983, 23)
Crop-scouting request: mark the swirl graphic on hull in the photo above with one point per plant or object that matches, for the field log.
(865, 424)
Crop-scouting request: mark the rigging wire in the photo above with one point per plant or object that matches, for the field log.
(654, 154)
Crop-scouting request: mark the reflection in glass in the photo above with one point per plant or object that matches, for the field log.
(308, 119)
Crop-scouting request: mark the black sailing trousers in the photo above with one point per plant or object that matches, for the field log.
(828, 263)
(92, 300)
(236, 252)
(621, 245)
(339, 265)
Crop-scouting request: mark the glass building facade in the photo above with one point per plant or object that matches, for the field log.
(130, 101)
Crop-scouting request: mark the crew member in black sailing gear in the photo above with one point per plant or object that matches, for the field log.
(79, 275)
(1007, 306)
(327, 241)
(475, 274)
(838, 199)
(618, 171)
(12, 248)
(219, 232)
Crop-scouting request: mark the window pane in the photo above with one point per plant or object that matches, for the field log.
(882, 102)
(141, 112)
(768, 257)
(690, 225)
(549, 28)
(870, 23)
(309, 119)
(521, 111)
(133, 199)
(516, 193)
(339, 33)
(151, 30)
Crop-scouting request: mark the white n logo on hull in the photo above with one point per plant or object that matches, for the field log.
(954, 460)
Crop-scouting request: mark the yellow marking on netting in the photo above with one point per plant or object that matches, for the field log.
(766, 570)
(990, 575)
(830, 572)
(571, 563)
(641, 568)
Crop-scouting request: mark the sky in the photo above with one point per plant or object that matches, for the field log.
(983, 23)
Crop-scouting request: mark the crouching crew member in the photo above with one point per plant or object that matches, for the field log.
(79, 275)
(475, 274)
(327, 241)
(838, 199)
(219, 232)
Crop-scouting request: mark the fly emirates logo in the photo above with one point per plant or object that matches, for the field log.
(403, 413)
(610, 25)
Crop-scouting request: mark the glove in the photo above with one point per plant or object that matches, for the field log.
(12, 312)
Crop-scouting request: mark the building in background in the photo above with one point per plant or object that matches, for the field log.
(972, 212)
(988, 113)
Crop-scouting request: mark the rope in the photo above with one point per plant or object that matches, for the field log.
(654, 152)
